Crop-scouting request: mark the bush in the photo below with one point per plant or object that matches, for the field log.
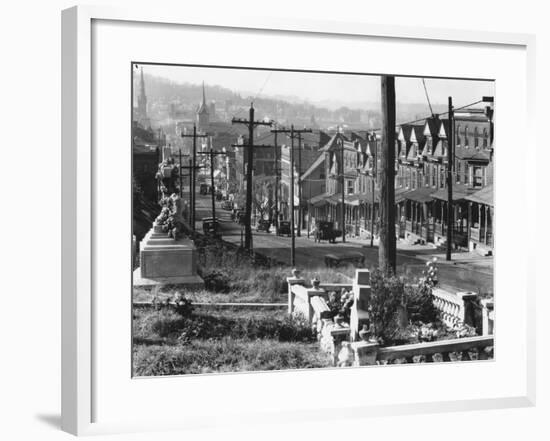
(217, 281)
(420, 305)
(387, 299)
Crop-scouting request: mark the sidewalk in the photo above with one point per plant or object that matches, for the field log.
(427, 252)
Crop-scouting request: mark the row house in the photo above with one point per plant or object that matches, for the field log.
(421, 184)
(421, 194)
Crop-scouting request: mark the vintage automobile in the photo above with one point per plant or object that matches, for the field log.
(227, 205)
(284, 228)
(324, 230)
(211, 227)
(355, 258)
(263, 225)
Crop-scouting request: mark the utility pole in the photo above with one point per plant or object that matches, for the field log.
(277, 170)
(180, 176)
(373, 186)
(191, 169)
(211, 153)
(293, 133)
(192, 190)
(386, 248)
(343, 192)
(251, 124)
(450, 165)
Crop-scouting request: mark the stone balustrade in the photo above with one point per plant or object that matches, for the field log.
(455, 308)
(460, 349)
(341, 340)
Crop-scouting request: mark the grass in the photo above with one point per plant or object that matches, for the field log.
(222, 340)
(227, 355)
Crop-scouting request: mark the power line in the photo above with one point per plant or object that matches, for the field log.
(427, 96)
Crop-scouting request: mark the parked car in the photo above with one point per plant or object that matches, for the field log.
(284, 228)
(211, 227)
(351, 257)
(263, 225)
(324, 230)
(227, 205)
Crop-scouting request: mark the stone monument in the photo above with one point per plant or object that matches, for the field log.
(167, 259)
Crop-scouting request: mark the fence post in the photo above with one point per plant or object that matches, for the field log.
(294, 280)
(487, 306)
(467, 310)
(361, 297)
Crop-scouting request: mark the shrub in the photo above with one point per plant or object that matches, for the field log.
(387, 299)
(420, 305)
(217, 281)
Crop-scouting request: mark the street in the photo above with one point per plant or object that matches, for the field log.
(464, 273)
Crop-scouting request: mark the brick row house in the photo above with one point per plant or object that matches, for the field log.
(420, 185)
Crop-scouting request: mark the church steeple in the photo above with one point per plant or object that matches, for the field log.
(141, 111)
(203, 117)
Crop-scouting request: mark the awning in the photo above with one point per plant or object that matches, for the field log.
(483, 196)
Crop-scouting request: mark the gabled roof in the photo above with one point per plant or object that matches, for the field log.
(333, 142)
(431, 127)
(317, 163)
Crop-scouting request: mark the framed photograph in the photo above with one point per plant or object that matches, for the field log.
(288, 221)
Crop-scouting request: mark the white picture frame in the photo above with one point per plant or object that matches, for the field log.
(80, 234)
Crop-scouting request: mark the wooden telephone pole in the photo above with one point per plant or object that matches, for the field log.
(450, 165)
(293, 133)
(191, 169)
(251, 124)
(192, 190)
(211, 153)
(386, 248)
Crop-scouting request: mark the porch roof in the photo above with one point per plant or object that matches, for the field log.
(421, 194)
(483, 196)
(460, 192)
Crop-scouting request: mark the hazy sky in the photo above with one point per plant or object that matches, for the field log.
(323, 87)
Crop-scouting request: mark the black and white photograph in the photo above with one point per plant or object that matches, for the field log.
(296, 219)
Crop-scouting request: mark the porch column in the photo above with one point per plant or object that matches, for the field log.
(469, 222)
(485, 213)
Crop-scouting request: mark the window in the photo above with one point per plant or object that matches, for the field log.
(441, 177)
(458, 135)
(350, 187)
(476, 140)
(458, 171)
(466, 142)
(434, 177)
(413, 180)
(478, 177)
(485, 137)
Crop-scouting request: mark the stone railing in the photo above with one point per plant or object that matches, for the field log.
(342, 341)
(455, 308)
(461, 349)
